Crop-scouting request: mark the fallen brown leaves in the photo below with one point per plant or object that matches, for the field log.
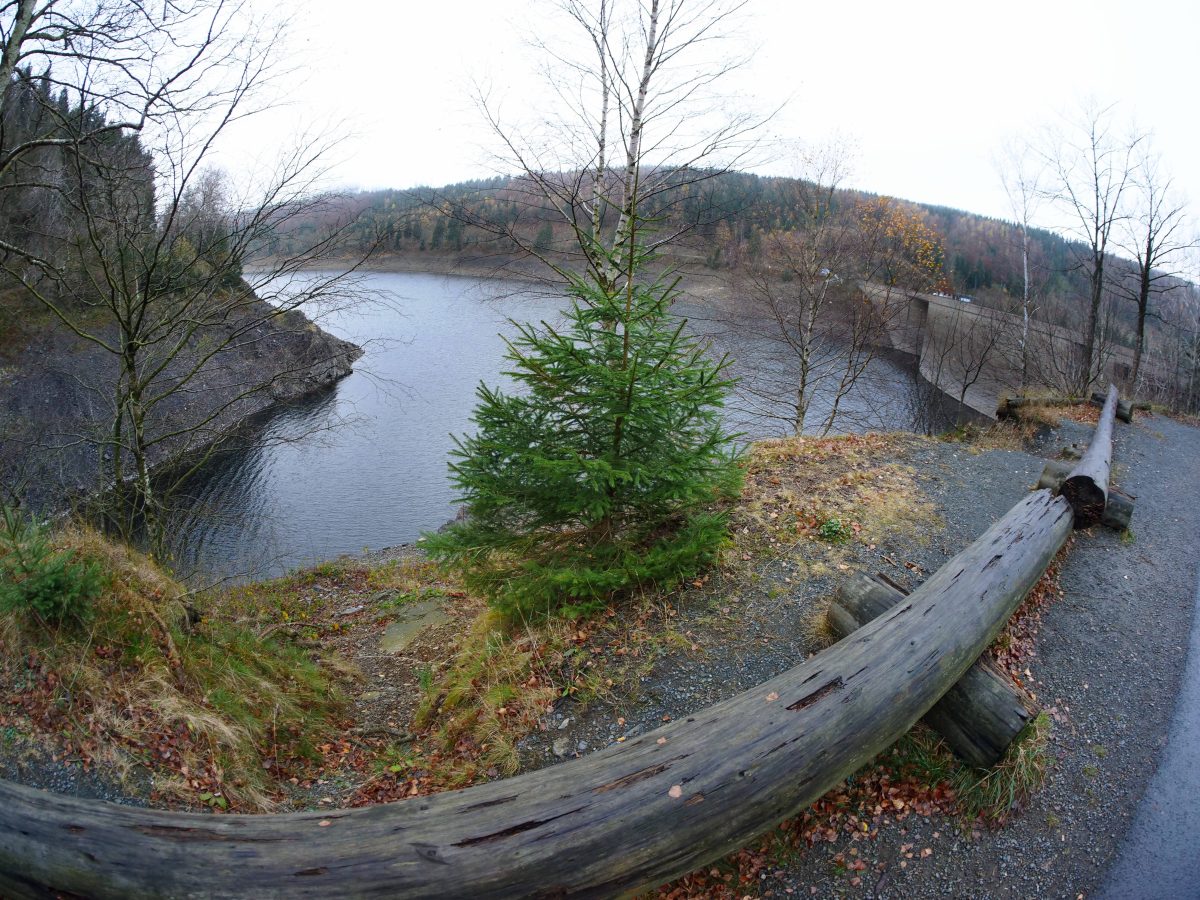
(1015, 646)
(887, 790)
(1085, 414)
(900, 783)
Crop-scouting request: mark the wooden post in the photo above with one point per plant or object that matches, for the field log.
(1086, 487)
(622, 819)
(979, 716)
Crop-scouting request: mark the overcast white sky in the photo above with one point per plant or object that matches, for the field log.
(927, 91)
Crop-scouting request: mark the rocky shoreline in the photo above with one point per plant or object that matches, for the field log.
(55, 407)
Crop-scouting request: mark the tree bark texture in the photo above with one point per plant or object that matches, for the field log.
(1086, 487)
(627, 817)
(979, 717)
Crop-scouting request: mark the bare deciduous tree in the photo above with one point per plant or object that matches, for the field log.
(1021, 178)
(976, 339)
(824, 294)
(1156, 236)
(638, 123)
(1089, 166)
(147, 261)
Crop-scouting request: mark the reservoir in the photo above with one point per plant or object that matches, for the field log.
(364, 466)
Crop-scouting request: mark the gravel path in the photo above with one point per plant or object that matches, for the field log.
(1108, 666)
(747, 634)
(1159, 856)
(27, 762)
(1110, 659)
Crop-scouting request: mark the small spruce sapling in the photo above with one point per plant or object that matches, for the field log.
(606, 472)
(49, 586)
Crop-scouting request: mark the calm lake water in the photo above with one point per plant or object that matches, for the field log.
(364, 465)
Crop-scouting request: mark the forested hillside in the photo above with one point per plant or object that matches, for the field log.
(726, 215)
(732, 222)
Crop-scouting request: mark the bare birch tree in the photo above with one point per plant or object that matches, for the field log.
(637, 122)
(1021, 179)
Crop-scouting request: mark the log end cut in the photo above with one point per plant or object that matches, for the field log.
(1086, 498)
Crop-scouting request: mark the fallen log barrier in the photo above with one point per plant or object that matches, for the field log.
(1008, 406)
(1086, 487)
(629, 816)
(1118, 510)
(979, 716)
(1125, 408)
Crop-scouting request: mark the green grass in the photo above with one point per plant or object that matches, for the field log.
(144, 677)
(987, 794)
(991, 794)
(920, 753)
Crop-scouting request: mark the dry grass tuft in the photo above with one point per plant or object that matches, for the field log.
(829, 491)
(817, 633)
(505, 678)
(217, 713)
(992, 794)
(496, 688)
(1009, 434)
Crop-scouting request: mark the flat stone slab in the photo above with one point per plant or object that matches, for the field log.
(410, 622)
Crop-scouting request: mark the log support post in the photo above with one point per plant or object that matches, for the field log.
(1125, 408)
(979, 716)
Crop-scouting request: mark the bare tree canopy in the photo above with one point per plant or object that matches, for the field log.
(640, 119)
(804, 297)
(1089, 163)
(118, 225)
(1157, 235)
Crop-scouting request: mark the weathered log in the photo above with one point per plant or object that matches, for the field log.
(632, 815)
(1086, 487)
(1118, 509)
(1125, 408)
(979, 717)
(1073, 452)
(1054, 473)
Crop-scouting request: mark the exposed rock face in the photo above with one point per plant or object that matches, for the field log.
(56, 399)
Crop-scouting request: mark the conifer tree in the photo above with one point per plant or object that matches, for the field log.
(605, 472)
